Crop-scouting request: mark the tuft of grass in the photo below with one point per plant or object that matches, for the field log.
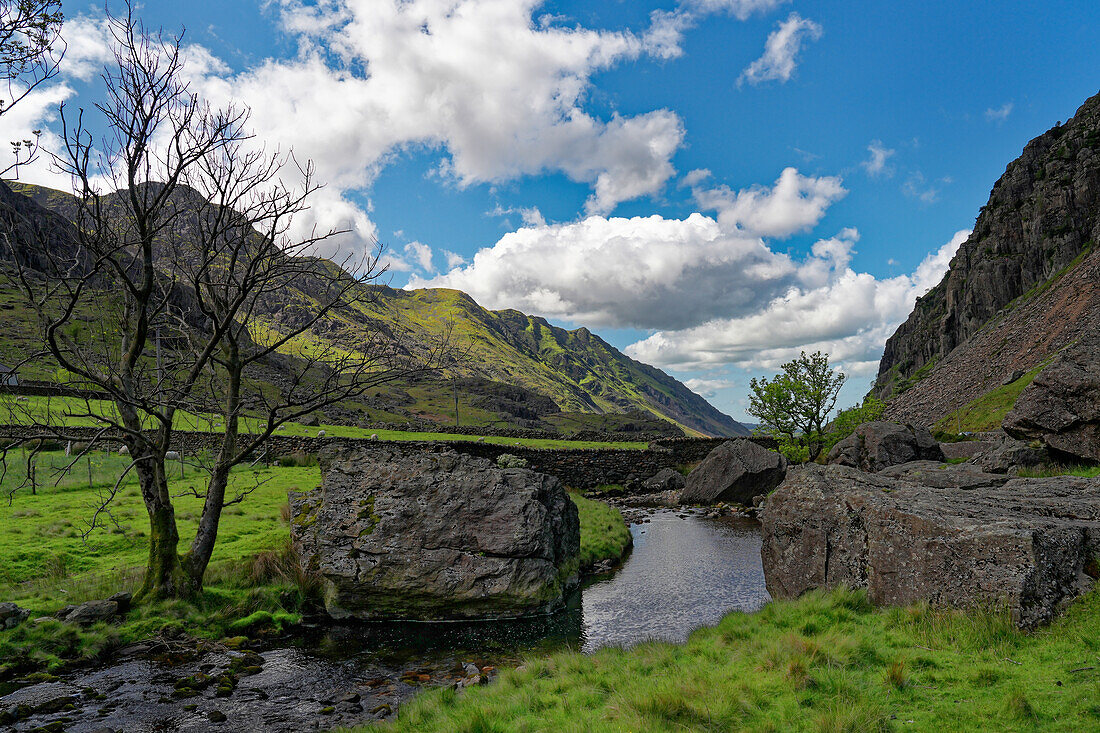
(862, 669)
(1057, 470)
(604, 534)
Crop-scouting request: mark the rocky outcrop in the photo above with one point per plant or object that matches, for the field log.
(876, 445)
(1061, 406)
(432, 536)
(735, 471)
(1031, 543)
(944, 475)
(1022, 287)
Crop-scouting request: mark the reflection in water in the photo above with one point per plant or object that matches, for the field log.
(684, 572)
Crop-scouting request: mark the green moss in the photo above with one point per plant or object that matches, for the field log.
(366, 511)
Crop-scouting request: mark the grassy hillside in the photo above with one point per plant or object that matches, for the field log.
(577, 370)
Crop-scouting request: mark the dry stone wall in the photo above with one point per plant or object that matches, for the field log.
(579, 468)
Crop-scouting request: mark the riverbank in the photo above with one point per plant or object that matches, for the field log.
(827, 661)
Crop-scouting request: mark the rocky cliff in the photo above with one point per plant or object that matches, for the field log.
(1018, 291)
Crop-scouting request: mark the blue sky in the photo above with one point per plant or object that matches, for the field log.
(711, 185)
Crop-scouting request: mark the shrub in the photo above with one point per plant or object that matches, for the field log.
(507, 460)
(299, 459)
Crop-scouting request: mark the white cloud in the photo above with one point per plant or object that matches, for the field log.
(693, 178)
(87, 47)
(795, 203)
(652, 272)
(740, 9)
(453, 259)
(1000, 114)
(501, 95)
(642, 272)
(422, 254)
(876, 164)
(707, 387)
(916, 186)
(781, 51)
(849, 316)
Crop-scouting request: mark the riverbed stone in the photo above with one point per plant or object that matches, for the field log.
(735, 471)
(435, 535)
(1030, 544)
(876, 445)
(90, 612)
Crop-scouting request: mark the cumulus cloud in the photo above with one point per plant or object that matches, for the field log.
(781, 51)
(653, 272)
(642, 272)
(421, 253)
(795, 203)
(876, 164)
(999, 114)
(695, 177)
(501, 95)
(849, 315)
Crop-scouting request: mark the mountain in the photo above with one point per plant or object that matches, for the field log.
(1020, 291)
(520, 370)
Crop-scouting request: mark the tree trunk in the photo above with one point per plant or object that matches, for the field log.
(164, 574)
(202, 547)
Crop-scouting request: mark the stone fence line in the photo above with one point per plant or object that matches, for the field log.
(580, 468)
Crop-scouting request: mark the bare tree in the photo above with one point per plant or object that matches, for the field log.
(184, 250)
(30, 54)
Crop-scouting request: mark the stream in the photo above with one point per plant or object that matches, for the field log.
(686, 570)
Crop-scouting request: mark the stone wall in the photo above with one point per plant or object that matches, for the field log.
(580, 468)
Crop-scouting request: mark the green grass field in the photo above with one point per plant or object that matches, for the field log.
(70, 411)
(826, 662)
(46, 562)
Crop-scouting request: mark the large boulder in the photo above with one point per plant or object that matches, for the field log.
(875, 445)
(735, 471)
(1061, 406)
(1031, 543)
(431, 536)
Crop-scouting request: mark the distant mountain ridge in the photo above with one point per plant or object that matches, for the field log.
(1021, 289)
(576, 369)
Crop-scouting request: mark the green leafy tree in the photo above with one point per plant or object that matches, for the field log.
(794, 405)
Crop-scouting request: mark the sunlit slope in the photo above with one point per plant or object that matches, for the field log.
(578, 370)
